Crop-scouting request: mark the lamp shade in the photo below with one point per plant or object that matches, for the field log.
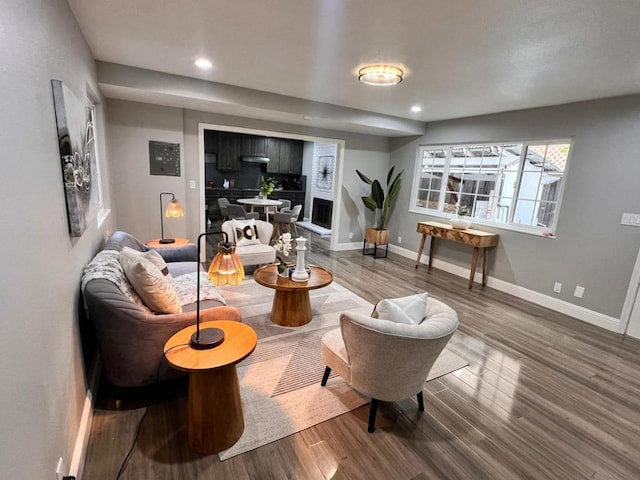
(226, 267)
(380, 75)
(174, 209)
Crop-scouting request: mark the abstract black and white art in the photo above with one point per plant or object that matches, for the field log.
(77, 155)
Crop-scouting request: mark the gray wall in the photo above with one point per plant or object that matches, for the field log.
(132, 125)
(592, 249)
(41, 372)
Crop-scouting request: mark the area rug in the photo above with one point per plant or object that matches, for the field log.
(280, 380)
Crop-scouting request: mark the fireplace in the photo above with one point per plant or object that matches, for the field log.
(321, 212)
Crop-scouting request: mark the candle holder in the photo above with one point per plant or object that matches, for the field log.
(300, 273)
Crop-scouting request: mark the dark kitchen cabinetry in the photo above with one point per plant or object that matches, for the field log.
(285, 156)
(210, 141)
(229, 151)
(254, 145)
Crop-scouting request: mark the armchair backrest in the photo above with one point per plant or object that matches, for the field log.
(223, 203)
(295, 212)
(265, 230)
(391, 361)
(285, 204)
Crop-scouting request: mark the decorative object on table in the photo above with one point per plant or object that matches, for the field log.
(300, 273)
(174, 210)
(461, 221)
(283, 247)
(225, 268)
(266, 186)
(225, 183)
(381, 205)
(75, 123)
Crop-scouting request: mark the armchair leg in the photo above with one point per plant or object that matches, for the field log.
(325, 377)
(372, 415)
(420, 402)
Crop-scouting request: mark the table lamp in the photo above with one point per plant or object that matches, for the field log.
(226, 268)
(174, 210)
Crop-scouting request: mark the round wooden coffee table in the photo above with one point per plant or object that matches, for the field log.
(291, 303)
(214, 412)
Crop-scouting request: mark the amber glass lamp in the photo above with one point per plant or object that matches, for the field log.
(174, 210)
(226, 268)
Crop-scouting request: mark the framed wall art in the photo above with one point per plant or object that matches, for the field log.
(76, 141)
(324, 179)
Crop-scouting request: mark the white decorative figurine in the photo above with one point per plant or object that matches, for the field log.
(300, 274)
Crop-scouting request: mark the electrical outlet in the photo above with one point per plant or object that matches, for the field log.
(350, 235)
(579, 292)
(399, 239)
(557, 287)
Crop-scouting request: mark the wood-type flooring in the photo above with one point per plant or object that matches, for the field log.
(545, 397)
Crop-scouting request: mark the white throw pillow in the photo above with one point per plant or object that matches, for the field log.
(409, 310)
(245, 232)
(151, 255)
(155, 289)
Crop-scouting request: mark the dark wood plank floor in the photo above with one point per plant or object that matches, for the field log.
(545, 397)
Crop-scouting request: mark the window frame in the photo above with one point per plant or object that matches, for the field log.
(548, 231)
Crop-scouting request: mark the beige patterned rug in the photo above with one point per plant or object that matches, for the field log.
(280, 381)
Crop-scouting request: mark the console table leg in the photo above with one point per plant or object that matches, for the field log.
(432, 249)
(424, 237)
(485, 266)
(474, 263)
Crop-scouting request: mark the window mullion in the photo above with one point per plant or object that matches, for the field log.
(445, 180)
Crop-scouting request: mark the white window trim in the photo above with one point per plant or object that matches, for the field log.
(548, 232)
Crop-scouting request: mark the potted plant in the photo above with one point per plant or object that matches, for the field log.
(283, 247)
(381, 203)
(266, 186)
(461, 221)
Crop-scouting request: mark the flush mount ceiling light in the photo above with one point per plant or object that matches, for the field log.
(203, 63)
(380, 75)
(416, 109)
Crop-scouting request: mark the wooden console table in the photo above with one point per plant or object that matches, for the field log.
(473, 238)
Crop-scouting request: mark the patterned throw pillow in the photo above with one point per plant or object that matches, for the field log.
(409, 310)
(155, 289)
(245, 232)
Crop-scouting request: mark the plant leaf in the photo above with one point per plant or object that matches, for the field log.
(390, 175)
(377, 193)
(363, 177)
(370, 203)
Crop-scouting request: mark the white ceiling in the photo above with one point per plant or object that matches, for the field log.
(460, 57)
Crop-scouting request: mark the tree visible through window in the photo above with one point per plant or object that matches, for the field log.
(504, 183)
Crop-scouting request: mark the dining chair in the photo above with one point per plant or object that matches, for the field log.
(239, 213)
(286, 216)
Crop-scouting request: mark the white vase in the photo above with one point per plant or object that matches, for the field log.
(460, 223)
(300, 273)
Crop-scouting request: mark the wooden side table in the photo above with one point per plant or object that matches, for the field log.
(214, 414)
(178, 243)
(291, 303)
(474, 238)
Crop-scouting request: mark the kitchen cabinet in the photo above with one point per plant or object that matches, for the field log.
(254, 145)
(229, 148)
(285, 156)
(210, 141)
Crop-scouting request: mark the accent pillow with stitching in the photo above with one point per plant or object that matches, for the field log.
(245, 232)
(156, 290)
(150, 255)
(409, 310)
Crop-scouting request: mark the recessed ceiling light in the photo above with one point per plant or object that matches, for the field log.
(416, 109)
(203, 63)
(380, 75)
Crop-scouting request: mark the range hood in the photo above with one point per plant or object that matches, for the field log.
(255, 159)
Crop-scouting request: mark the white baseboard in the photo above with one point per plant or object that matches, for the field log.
(575, 311)
(82, 438)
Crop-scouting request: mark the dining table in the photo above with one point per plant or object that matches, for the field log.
(260, 202)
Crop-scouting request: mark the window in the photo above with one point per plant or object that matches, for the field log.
(508, 184)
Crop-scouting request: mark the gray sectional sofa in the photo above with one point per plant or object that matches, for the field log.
(129, 336)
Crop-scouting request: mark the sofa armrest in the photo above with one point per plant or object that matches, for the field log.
(183, 253)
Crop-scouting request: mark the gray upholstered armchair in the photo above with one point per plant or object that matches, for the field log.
(384, 359)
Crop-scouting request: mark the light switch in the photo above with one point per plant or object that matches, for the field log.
(192, 184)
